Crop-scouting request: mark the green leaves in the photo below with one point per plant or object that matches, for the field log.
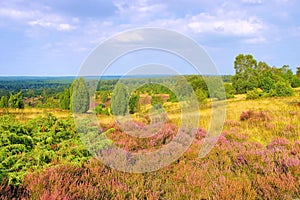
(250, 77)
(15, 100)
(65, 100)
(38, 143)
(80, 99)
(119, 100)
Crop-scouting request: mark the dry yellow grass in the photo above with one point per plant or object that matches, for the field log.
(31, 113)
(284, 116)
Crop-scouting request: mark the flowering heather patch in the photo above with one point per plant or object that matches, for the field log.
(255, 116)
(201, 133)
(255, 157)
(234, 169)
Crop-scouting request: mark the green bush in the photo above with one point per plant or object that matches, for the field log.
(295, 82)
(282, 89)
(255, 94)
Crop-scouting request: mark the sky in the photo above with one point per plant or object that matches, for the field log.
(55, 37)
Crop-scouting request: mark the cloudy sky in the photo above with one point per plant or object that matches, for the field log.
(54, 37)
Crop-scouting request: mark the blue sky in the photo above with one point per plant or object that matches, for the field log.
(54, 37)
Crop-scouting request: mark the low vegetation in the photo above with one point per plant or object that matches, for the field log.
(257, 155)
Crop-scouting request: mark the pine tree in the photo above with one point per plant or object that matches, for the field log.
(119, 100)
(80, 98)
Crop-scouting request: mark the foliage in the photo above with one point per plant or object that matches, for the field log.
(65, 99)
(16, 100)
(245, 68)
(157, 101)
(266, 82)
(255, 94)
(38, 143)
(100, 109)
(4, 102)
(251, 76)
(80, 99)
(119, 100)
(298, 72)
(295, 81)
(230, 91)
(201, 96)
(133, 103)
(103, 96)
(282, 89)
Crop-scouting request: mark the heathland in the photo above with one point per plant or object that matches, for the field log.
(257, 155)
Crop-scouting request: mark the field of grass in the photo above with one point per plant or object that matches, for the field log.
(32, 113)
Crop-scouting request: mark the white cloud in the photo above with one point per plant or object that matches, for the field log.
(205, 23)
(252, 1)
(220, 23)
(255, 40)
(129, 37)
(55, 25)
(16, 14)
(35, 18)
(139, 10)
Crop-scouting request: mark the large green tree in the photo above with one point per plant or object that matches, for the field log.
(80, 98)
(245, 77)
(119, 100)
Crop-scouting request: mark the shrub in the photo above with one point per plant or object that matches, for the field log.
(255, 94)
(295, 81)
(282, 89)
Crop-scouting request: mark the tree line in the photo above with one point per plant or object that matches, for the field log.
(258, 79)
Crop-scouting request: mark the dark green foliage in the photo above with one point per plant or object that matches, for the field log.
(298, 72)
(100, 109)
(273, 81)
(282, 89)
(65, 100)
(103, 96)
(119, 100)
(34, 86)
(197, 82)
(4, 102)
(80, 99)
(266, 82)
(295, 81)
(133, 103)
(15, 100)
(244, 79)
